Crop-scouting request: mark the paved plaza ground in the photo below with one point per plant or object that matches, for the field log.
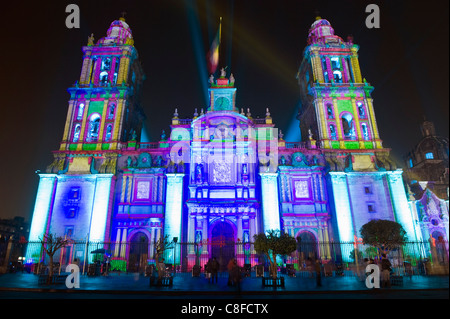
(185, 284)
(199, 298)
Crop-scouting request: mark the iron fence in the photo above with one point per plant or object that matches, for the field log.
(337, 258)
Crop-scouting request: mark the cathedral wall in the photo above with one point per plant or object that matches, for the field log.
(72, 208)
(370, 198)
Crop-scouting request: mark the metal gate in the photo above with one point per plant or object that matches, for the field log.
(223, 244)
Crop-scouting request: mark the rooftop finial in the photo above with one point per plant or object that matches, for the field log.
(316, 13)
(122, 18)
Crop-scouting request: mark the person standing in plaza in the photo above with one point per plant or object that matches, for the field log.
(214, 268)
(385, 272)
(318, 269)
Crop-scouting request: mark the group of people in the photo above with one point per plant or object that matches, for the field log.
(385, 270)
(212, 268)
(234, 271)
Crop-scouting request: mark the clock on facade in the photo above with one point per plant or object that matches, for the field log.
(222, 103)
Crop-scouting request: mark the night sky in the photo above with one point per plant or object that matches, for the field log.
(406, 60)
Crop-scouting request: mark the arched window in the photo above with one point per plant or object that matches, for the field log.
(336, 67)
(325, 70)
(93, 128)
(108, 133)
(333, 132)
(337, 75)
(329, 111)
(116, 71)
(80, 111)
(361, 111)
(104, 71)
(335, 63)
(112, 109)
(365, 131)
(104, 78)
(348, 127)
(76, 133)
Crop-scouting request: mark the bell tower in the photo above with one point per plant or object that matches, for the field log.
(104, 107)
(75, 194)
(222, 93)
(337, 103)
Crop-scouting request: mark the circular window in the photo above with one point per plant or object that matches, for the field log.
(434, 222)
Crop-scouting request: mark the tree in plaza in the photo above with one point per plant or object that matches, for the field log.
(385, 235)
(355, 253)
(51, 244)
(273, 243)
(162, 244)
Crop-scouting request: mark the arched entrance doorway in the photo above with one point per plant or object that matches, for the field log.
(307, 247)
(137, 258)
(222, 243)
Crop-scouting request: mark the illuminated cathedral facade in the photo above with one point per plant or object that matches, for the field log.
(222, 174)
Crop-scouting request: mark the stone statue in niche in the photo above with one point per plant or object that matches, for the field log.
(246, 237)
(199, 173)
(133, 135)
(159, 161)
(283, 160)
(129, 160)
(198, 236)
(163, 136)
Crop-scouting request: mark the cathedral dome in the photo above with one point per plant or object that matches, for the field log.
(118, 33)
(321, 31)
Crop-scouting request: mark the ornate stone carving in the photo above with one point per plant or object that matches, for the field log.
(301, 189)
(221, 172)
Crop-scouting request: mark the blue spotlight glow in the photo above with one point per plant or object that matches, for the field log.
(343, 212)
(41, 212)
(403, 214)
(271, 212)
(174, 207)
(100, 208)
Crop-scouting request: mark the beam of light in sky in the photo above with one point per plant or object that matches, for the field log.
(293, 133)
(197, 45)
(213, 53)
(263, 53)
(229, 35)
